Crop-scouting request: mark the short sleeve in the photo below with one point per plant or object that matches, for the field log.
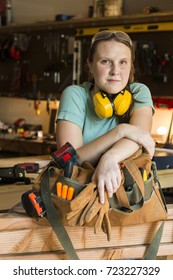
(142, 95)
(73, 105)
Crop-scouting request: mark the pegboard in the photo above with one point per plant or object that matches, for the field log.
(153, 60)
(49, 57)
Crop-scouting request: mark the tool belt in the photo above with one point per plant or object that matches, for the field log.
(138, 200)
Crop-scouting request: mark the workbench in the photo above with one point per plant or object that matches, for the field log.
(26, 147)
(22, 237)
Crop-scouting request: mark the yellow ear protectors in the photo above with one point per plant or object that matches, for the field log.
(122, 102)
(105, 108)
(102, 105)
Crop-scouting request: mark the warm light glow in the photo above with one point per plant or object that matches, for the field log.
(162, 130)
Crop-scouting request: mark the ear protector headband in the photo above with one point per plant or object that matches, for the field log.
(105, 108)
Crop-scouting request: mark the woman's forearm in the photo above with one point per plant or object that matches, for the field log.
(123, 141)
(95, 149)
(121, 150)
(69, 132)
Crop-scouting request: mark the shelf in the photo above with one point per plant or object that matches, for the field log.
(88, 22)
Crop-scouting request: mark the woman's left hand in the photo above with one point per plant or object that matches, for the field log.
(107, 176)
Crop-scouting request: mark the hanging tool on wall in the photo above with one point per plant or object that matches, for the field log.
(145, 55)
(57, 50)
(48, 44)
(77, 62)
(48, 105)
(162, 68)
(16, 76)
(36, 93)
(25, 78)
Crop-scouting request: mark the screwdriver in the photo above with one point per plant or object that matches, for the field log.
(64, 191)
(59, 189)
(70, 193)
(143, 173)
(68, 169)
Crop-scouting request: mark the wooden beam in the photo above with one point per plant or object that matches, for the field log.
(25, 236)
(136, 252)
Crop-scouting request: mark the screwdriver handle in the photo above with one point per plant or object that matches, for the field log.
(68, 170)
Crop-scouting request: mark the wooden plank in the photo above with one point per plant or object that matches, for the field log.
(137, 252)
(12, 221)
(24, 235)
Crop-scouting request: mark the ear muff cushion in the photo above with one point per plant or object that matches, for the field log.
(122, 102)
(102, 105)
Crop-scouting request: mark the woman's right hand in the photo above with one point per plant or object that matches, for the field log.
(107, 176)
(140, 136)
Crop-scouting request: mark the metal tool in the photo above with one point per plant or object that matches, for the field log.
(12, 175)
(29, 167)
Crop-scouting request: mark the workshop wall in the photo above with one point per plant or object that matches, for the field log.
(42, 10)
(9, 113)
(161, 125)
(17, 108)
(137, 7)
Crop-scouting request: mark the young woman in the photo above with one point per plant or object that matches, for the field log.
(107, 119)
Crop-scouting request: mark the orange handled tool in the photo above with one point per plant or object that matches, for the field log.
(59, 189)
(64, 191)
(70, 193)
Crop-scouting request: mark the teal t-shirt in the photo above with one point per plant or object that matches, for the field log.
(76, 106)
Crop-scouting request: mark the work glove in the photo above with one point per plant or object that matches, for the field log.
(86, 207)
(78, 204)
(101, 212)
(103, 218)
(73, 218)
(106, 226)
(83, 215)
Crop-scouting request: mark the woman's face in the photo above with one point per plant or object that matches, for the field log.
(111, 66)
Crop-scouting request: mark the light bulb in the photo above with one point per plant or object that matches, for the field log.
(162, 130)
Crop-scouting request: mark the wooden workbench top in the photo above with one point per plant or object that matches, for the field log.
(10, 194)
(7, 162)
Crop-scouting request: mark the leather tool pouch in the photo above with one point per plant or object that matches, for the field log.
(138, 200)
